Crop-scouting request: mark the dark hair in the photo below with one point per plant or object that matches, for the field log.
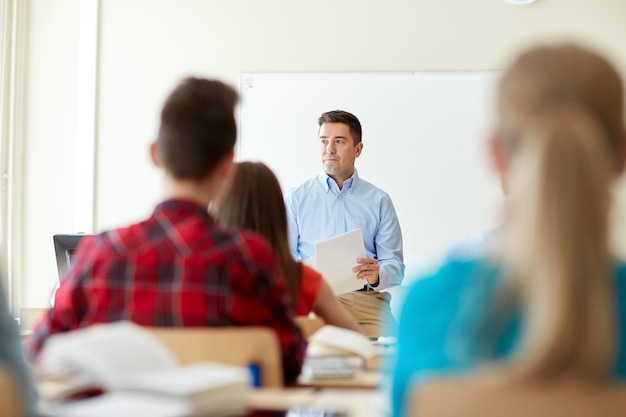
(340, 116)
(255, 201)
(197, 127)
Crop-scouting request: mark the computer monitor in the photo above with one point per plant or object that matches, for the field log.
(64, 247)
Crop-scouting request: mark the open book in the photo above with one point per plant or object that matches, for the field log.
(134, 369)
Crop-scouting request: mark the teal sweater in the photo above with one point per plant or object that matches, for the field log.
(437, 330)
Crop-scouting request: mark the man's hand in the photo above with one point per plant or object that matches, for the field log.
(367, 269)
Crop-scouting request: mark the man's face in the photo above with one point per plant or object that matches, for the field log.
(338, 150)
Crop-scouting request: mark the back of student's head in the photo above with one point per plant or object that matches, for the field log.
(254, 201)
(198, 128)
(550, 76)
(561, 120)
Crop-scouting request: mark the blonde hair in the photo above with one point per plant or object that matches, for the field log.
(556, 253)
(552, 76)
(561, 116)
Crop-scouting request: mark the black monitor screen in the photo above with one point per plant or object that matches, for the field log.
(64, 247)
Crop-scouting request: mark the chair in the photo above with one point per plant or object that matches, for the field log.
(308, 325)
(9, 395)
(476, 398)
(242, 346)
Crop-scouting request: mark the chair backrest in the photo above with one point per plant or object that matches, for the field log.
(475, 398)
(242, 346)
(308, 325)
(10, 398)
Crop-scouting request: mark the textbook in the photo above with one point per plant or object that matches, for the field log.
(132, 369)
(335, 352)
(337, 341)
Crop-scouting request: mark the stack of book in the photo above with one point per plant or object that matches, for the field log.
(334, 352)
(121, 370)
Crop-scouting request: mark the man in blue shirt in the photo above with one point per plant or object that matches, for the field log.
(338, 201)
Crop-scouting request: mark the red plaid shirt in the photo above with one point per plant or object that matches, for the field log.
(177, 268)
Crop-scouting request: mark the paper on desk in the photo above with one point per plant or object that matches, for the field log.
(134, 404)
(335, 259)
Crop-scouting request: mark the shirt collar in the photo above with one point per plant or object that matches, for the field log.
(326, 181)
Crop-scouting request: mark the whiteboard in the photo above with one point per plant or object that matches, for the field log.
(424, 142)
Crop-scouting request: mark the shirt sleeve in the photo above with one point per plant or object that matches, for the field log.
(421, 341)
(388, 244)
(436, 329)
(310, 283)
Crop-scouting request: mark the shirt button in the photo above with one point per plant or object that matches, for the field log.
(340, 197)
(339, 217)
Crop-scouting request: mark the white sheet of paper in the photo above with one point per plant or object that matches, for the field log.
(335, 258)
(125, 404)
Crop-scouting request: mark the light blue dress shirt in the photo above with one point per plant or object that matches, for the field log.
(318, 210)
(438, 327)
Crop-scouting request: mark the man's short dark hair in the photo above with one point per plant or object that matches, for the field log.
(198, 128)
(340, 116)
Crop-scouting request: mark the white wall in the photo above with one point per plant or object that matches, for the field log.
(423, 143)
(146, 46)
(50, 133)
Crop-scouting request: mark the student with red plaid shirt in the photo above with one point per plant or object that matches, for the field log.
(178, 267)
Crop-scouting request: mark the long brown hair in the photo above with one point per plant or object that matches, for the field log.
(561, 113)
(254, 201)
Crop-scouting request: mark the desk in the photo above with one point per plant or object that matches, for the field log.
(279, 398)
(353, 402)
(365, 379)
(282, 402)
(369, 373)
(354, 397)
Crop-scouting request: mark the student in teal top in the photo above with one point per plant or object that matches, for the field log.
(545, 303)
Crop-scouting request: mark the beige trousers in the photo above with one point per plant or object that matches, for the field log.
(371, 310)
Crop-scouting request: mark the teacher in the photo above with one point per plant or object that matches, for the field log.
(338, 201)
